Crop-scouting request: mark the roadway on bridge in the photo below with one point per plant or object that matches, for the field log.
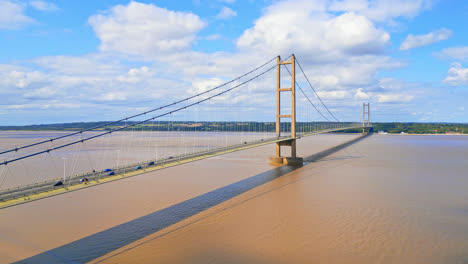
(28, 193)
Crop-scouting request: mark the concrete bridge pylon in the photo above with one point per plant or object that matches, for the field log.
(278, 158)
(365, 116)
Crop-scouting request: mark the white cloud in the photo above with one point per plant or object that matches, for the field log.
(12, 15)
(54, 104)
(392, 84)
(347, 73)
(307, 28)
(43, 6)
(81, 65)
(18, 79)
(340, 52)
(346, 49)
(394, 98)
(391, 90)
(22, 79)
(41, 93)
(226, 13)
(457, 53)
(360, 95)
(15, 106)
(103, 86)
(136, 75)
(145, 29)
(412, 42)
(113, 96)
(202, 85)
(381, 10)
(333, 94)
(457, 75)
(327, 81)
(349, 6)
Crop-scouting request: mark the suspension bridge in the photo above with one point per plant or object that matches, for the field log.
(237, 114)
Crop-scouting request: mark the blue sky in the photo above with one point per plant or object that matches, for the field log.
(67, 61)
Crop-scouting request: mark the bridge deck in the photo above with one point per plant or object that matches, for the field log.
(27, 193)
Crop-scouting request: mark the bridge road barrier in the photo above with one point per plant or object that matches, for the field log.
(27, 190)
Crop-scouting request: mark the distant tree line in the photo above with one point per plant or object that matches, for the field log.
(243, 126)
(417, 128)
(422, 128)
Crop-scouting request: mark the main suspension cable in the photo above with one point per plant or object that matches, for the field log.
(137, 123)
(140, 114)
(307, 97)
(316, 92)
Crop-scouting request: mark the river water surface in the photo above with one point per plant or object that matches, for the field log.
(385, 199)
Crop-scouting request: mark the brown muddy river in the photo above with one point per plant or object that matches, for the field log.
(385, 199)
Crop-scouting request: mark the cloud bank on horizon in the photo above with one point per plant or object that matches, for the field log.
(92, 61)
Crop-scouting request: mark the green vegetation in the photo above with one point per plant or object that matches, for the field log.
(418, 128)
(422, 128)
(152, 126)
(410, 128)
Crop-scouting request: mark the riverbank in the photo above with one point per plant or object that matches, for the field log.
(408, 134)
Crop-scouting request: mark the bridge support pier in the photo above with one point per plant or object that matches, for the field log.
(296, 161)
(293, 160)
(278, 159)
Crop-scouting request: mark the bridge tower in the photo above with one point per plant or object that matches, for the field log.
(365, 116)
(293, 159)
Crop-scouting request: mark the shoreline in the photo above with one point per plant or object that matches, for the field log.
(407, 134)
(376, 133)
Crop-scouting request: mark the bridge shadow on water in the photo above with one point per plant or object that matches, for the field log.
(102, 243)
(99, 244)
